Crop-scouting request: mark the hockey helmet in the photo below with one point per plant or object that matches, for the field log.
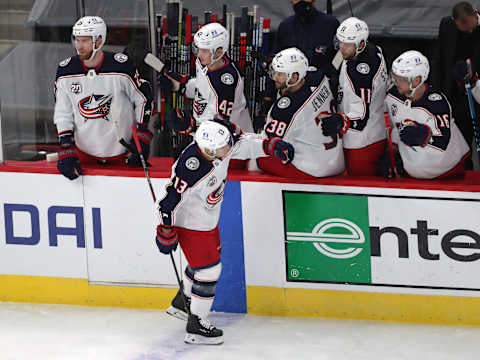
(290, 61)
(353, 31)
(211, 136)
(93, 26)
(409, 65)
(212, 37)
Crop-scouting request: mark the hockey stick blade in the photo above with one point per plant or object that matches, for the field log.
(337, 60)
(154, 62)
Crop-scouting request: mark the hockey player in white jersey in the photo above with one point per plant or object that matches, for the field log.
(428, 139)
(189, 213)
(88, 87)
(217, 88)
(304, 100)
(361, 96)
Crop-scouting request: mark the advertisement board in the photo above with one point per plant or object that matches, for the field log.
(382, 240)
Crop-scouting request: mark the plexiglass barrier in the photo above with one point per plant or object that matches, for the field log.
(33, 40)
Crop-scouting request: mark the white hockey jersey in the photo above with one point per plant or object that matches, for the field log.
(219, 92)
(194, 196)
(296, 118)
(445, 149)
(85, 99)
(361, 96)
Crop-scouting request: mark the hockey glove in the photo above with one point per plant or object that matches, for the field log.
(68, 162)
(463, 73)
(386, 168)
(166, 239)
(335, 124)
(181, 121)
(413, 133)
(280, 149)
(164, 83)
(145, 137)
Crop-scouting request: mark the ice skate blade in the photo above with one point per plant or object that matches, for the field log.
(179, 314)
(203, 340)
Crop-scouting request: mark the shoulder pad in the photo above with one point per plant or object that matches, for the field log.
(191, 166)
(70, 66)
(65, 62)
(119, 63)
(314, 78)
(120, 57)
(434, 101)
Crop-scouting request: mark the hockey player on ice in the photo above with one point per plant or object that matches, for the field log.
(87, 88)
(217, 88)
(190, 210)
(429, 141)
(303, 102)
(361, 96)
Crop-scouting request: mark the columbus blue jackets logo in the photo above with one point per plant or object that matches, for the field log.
(95, 106)
(199, 104)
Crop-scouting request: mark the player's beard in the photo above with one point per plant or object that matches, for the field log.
(86, 56)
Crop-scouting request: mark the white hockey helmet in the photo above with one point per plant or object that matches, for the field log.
(211, 136)
(409, 65)
(93, 26)
(212, 37)
(290, 61)
(353, 31)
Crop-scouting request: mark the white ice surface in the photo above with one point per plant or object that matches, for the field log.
(51, 332)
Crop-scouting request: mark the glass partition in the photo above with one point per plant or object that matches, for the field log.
(34, 38)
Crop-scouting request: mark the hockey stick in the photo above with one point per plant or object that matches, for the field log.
(147, 176)
(390, 149)
(115, 116)
(476, 132)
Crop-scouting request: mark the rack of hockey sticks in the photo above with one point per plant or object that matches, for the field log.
(249, 49)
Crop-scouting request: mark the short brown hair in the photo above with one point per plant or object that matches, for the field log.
(462, 9)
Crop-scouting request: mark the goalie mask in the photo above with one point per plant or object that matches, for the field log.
(92, 26)
(211, 37)
(289, 62)
(410, 65)
(211, 137)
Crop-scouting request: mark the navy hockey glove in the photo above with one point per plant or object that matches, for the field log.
(386, 168)
(145, 137)
(164, 83)
(463, 73)
(68, 162)
(166, 240)
(335, 124)
(280, 149)
(413, 133)
(181, 121)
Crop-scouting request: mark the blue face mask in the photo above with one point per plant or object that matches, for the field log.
(304, 10)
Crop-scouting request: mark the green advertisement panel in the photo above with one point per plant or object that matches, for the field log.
(327, 237)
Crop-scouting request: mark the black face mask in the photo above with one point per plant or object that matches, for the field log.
(304, 10)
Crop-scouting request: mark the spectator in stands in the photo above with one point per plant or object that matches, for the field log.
(458, 40)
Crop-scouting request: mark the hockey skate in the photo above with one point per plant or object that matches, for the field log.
(200, 331)
(177, 308)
